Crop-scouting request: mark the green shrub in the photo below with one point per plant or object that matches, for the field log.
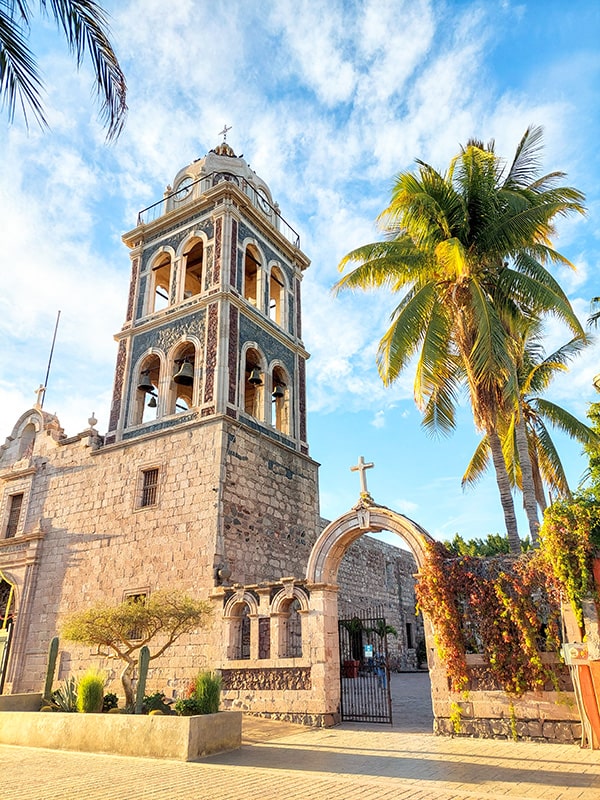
(65, 696)
(187, 707)
(90, 692)
(155, 702)
(109, 702)
(207, 692)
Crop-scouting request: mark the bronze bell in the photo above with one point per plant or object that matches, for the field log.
(145, 384)
(152, 403)
(185, 376)
(255, 378)
(278, 392)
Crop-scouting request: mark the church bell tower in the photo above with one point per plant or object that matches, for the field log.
(213, 318)
(211, 368)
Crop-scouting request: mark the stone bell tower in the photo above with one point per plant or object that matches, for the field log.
(213, 337)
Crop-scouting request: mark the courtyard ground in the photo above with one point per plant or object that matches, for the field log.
(277, 760)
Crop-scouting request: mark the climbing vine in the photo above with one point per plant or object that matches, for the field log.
(505, 608)
(570, 539)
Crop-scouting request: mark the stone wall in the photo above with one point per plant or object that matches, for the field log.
(270, 508)
(373, 574)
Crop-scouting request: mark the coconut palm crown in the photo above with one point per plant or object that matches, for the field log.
(85, 26)
(533, 416)
(468, 251)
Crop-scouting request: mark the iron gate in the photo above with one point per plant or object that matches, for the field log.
(364, 668)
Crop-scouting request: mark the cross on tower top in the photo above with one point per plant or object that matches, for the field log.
(41, 391)
(223, 133)
(360, 468)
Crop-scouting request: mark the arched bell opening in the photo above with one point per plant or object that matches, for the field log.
(193, 261)
(280, 400)
(147, 400)
(276, 305)
(161, 283)
(184, 379)
(252, 276)
(254, 384)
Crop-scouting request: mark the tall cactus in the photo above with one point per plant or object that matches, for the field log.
(143, 662)
(51, 668)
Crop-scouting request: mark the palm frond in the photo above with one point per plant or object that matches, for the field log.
(402, 339)
(566, 422)
(478, 465)
(526, 163)
(390, 265)
(20, 82)
(490, 355)
(85, 25)
(550, 465)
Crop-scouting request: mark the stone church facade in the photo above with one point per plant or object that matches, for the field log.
(204, 481)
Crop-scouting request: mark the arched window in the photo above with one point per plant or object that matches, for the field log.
(27, 441)
(252, 276)
(161, 283)
(280, 400)
(146, 403)
(292, 638)
(277, 297)
(253, 389)
(192, 277)
(240, 632)
(181, 396)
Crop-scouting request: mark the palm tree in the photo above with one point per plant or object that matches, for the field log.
(528, 448)
(468, 249)
(85, 26)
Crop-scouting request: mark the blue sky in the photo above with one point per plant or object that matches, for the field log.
(327, 102)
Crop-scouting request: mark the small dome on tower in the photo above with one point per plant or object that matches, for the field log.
(224, 149)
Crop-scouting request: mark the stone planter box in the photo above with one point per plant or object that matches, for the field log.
(178, 738)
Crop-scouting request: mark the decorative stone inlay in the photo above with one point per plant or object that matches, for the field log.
(218, 248)
(302, 397)
(270, 679)
(208, 411)
(233, 258)
(164, 336)
(212, 334)
(161, 425)
(208, 275)
(233, 353)
(132, 284)
(271, 347)
(202, 221)
(140, 302)
(115, 408)
(298, 310)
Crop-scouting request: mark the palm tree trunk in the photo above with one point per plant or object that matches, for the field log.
(527, 483)
(506, 497)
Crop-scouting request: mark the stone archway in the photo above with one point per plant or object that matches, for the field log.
(321, 574)
(365, 517)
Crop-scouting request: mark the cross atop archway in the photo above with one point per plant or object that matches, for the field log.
(361, 467)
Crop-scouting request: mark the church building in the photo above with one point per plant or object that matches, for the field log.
(203, 482)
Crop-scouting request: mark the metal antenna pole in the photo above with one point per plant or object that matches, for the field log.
(49, 361)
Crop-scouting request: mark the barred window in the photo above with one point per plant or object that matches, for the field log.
(14, 515)
(149, 487)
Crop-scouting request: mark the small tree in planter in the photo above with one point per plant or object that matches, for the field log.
(126, 628)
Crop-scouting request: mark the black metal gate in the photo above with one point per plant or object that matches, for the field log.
(364, 668)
